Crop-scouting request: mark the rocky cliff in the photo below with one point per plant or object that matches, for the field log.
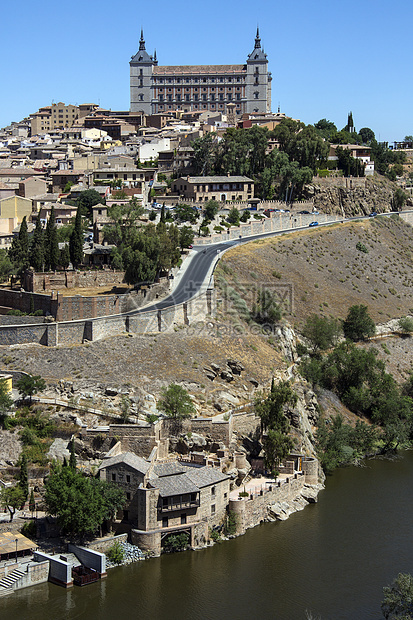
(351, 197)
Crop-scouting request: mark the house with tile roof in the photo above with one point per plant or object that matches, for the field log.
(164, 498)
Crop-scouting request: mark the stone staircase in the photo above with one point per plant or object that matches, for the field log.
(7, 583)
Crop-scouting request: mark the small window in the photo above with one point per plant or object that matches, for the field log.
(113, 477)
(183, 519)
(225, 495)
(127, 495)
(164, 521)
(213, 509)
(213, 489)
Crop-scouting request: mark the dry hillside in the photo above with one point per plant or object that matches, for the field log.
(328, 269)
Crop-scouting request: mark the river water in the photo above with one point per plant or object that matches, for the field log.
(331, 560)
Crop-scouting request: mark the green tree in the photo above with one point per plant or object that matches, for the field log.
(6, 401)
(37, 247)
(80, 504)
(24, 477)
(270, 409)
(266, 310)
(32, 503)
(12, 498)
(6, 265)
(19, 251)
(358, 325)
(29, 385)
(325, 128)
(186, 236)
(76, 241)
(367, 135)
(277, 446)
(175, 402)
(406, 324)
(204, 154)
(398, 598)
(399, 198)
(125, 405)
(72, 459)
(51, 245)
(321, 332)
(185, 213)
(88, 199)
(233, 216)
(211, 209)
(64, 257)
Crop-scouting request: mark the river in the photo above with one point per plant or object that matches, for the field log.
(332, 560)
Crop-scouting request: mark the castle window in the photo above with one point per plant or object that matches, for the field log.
(140, 71)
(213, 80)
(160, 80)
(178, 80)
(256, 95)
(169, 90)
(187, 80)
(169, 80)
(196, 80)
(229, 79)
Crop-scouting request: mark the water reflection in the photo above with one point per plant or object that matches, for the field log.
(331, 559)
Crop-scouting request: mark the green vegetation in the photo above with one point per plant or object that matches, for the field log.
(116, 553)
(29, 529)
(398, 598)
(80, 504)
(341, 444)
(6, 402)
(406, 324)
(176, 402)
(29, 385)
(277, 443)
(361, 247)
(12, 498)
(358, 325)
(231, 523)
(321, 332)
(266, 310)
(176, 542)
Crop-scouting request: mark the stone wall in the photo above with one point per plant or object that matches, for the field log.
(216, 430)
(79, 331)
(34, 573)
(246, 423)
(251, 512)
(54, 281)
(104, 544)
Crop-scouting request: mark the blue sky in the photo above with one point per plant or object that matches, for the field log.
(326, 57)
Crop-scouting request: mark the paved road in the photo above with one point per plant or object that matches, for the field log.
(204, 261)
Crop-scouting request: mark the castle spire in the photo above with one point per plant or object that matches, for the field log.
(257, 40)
(154, 57)
(142, 41)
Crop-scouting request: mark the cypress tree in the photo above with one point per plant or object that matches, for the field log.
(76, 241)
(51, 243)
(24, 477)
(37, 247)
(64, 257)
(72, 460)
(32, 503)
(19, 251)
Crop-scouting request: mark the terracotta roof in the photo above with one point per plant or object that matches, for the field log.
(197, 69)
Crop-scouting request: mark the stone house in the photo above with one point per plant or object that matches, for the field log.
(220, 188)
(167, 498)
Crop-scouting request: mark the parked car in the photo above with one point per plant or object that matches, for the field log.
(372, 214)
(313, 224)
(304, 213)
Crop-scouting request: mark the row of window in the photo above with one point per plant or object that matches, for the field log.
(196, 80)
(195, 89)
(196, 97)
(194, 106)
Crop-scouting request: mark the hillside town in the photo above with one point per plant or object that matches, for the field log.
(113, 229)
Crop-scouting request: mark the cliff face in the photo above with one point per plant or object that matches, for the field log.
(351, 197)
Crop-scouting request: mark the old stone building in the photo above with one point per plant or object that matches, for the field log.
(155, 89)
(221, 188)
(165, 498)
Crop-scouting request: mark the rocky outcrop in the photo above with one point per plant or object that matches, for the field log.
(366, 195)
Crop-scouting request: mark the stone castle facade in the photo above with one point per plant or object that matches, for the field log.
(156, 89)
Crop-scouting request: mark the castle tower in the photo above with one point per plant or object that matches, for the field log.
(141, 70)
(258, 80)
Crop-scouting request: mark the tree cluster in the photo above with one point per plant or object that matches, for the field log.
(81, 504)
(275, 425)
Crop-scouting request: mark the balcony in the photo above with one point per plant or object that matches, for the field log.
(181, 505)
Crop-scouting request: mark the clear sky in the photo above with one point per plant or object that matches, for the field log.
(327, 57)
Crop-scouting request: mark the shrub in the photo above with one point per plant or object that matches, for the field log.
(176, 542)
(116, 553)
(406, 324)
(361, 247)
(231, 523)
(29, 529)
(216, 536)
